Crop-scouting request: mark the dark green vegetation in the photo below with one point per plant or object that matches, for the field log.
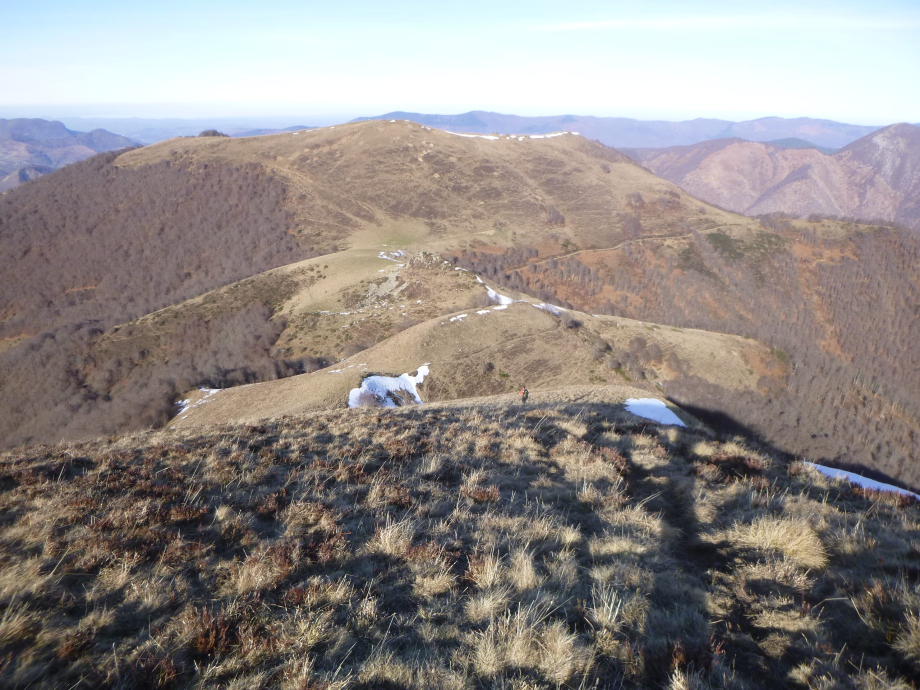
(726, 245)
(540, 547)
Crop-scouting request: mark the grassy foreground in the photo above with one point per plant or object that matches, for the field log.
(449, 547)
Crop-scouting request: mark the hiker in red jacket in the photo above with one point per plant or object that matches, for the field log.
(524, 395)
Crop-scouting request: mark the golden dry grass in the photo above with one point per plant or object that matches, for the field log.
(797, 541)
(474, 545)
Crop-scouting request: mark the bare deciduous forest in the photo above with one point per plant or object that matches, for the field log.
(846, 313)
(74, 269)
(123, 243)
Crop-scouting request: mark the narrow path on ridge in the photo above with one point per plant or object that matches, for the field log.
(610, 249)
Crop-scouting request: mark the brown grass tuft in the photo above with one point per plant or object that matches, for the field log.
(797, 541)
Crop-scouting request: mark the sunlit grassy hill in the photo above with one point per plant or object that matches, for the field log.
(423, 311)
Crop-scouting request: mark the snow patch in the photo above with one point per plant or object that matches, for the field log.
(500, 307)
(187, 404)
(498, 298)
(650, 408)
(388, 391)
(483, 311)
(474, 136)
(551, 308)
(458, 318)
(392, 256)
(859, 480)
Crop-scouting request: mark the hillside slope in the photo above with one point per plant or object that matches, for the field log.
(876, 177)
(363, 182)
(838, 301)
(560, 544)
(486, 350)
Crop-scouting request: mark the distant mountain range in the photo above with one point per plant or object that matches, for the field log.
(30, 148)
(611, 131)
(152, 130)
(621, 132)
(875, 177)
(798, 166)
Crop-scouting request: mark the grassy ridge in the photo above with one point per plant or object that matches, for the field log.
(522, 546)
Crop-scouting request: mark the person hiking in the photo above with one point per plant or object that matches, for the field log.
(524, 395)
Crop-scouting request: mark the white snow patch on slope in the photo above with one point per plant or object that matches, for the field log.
(187, 404)
(504, 301)
(459, 317)
(474, 136)
(498, 298)
(388, 391)
(859, 480)
(650, 408)
(551, 308)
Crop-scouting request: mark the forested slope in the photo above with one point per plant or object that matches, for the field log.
(91, 246)
(842, 307)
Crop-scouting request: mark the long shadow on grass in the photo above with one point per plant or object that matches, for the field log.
(335, 471)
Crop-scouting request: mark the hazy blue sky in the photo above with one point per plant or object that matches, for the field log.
(849, 61)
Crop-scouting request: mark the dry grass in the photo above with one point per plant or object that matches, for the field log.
(451, 548)
(797, 541)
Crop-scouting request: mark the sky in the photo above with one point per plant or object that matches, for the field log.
(844, 60)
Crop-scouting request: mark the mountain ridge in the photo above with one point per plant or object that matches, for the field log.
(877, 176)
(32, 147)
(620, 132)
